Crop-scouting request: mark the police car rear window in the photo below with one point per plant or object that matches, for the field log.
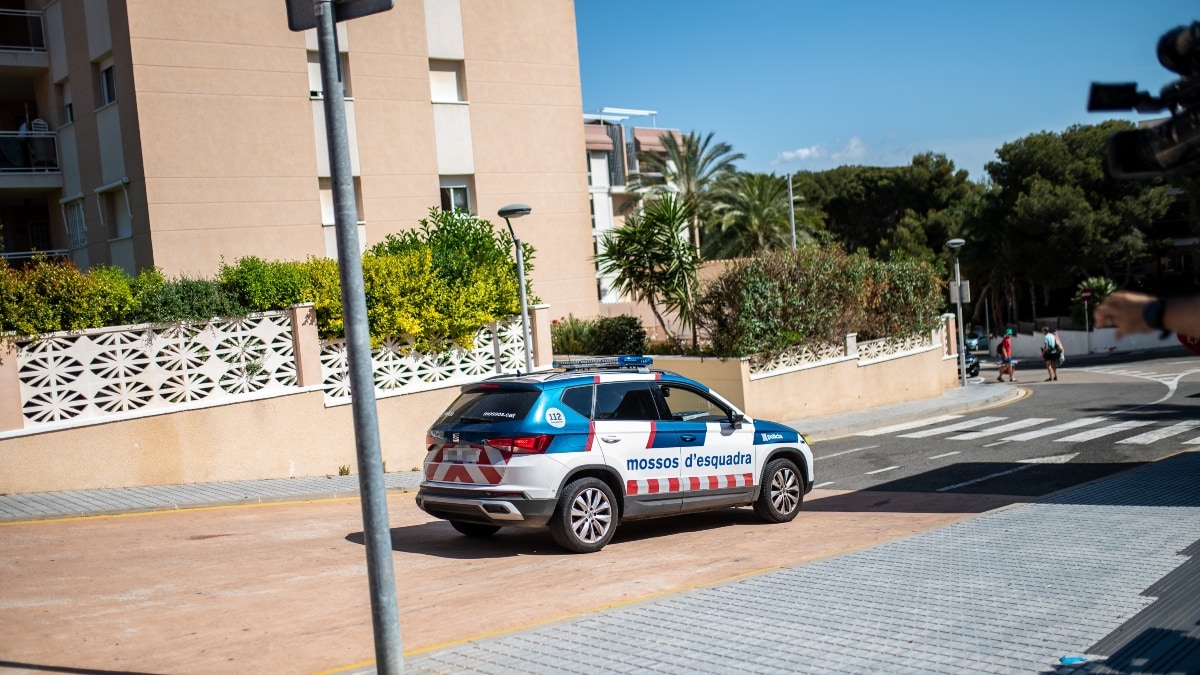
(489, 407)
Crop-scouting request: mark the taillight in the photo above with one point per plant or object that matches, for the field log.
(430, 443)
(522, 445)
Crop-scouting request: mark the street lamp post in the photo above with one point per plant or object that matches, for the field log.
(516, 211)
(954, 245)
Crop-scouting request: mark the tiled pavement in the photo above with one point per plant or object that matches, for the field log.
(1012, 591)
(31, 506)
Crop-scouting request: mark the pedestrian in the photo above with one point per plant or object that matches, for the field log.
(1004, 351)
(1050, 353)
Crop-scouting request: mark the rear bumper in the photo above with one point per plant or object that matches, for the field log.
(469, 506)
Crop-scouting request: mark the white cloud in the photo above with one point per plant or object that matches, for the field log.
(851, 153)
(801, 154)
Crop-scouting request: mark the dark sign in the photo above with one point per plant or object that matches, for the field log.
(1085, 294)
(302, 17)
(1193, 344)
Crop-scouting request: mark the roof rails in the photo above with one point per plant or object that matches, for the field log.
(639, 363)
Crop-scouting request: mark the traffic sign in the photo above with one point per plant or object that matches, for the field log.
(1192, 344)
(301, 15)
(1085, 294)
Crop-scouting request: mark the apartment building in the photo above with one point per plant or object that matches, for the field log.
(180, 133)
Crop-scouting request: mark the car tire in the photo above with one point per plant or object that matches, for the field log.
(478, 530)
(586, 516)
(782, 492)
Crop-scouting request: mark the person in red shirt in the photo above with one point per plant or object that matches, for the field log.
(1004, 351)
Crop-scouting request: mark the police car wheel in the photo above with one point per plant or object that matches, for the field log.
(782, 492)
(586, 516)
(475, 529)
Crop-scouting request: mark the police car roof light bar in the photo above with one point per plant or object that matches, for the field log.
(626, 361)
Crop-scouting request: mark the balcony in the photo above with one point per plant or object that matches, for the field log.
(22, 43)
(29, 160)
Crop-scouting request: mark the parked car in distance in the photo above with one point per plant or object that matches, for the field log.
(597, 442)
(976, 341)
(972, 365)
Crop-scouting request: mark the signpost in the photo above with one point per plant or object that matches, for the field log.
(377, 535)
(1085, 294)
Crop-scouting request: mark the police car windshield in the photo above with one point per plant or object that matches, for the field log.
(489, 406)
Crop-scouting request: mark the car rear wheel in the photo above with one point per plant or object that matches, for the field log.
(782, 492)
(586, 516)
(475, 529)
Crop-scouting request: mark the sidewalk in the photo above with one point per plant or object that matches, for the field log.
(33, 506)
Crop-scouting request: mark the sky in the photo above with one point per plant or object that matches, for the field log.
(809, 85)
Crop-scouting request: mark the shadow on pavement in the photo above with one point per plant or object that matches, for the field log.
(1017, 479)
(43, 668)
(882, 500)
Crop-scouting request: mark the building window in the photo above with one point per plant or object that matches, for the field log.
(446, 81)
(456, 193)
(76, 226)
(108, 84)
(64, 100)
(316, 87)
(328, 219)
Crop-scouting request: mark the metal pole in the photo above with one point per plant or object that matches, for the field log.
(791, 211)
(962, 355)
(524, 302)
(377, 534)
(987, 320)
(1087, 334)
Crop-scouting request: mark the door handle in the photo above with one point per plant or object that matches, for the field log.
(687, 439)
(610, 439)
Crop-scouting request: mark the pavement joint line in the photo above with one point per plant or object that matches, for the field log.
(199, 506)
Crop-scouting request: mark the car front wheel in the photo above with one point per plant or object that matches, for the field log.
(782, 492)
(586, 516)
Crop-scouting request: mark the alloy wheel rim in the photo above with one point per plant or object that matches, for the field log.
(785, 490)
(591, 515)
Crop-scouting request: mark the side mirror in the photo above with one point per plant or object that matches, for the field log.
(736, 420)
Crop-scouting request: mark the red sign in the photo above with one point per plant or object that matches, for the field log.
(1085, 294)
(1192, 343)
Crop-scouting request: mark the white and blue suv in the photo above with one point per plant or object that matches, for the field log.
(600, 441)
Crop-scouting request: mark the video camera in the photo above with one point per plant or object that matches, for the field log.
(1170, 145)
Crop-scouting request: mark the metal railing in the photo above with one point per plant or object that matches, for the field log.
(28, 151)
(21, 31)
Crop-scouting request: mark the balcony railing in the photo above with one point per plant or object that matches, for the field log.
(21, 31)
(28, 152)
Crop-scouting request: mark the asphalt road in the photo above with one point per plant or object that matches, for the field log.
(1098, 419)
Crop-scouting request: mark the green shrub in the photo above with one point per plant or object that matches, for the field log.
(571, 335)
(323, 288)
(46, 296)
(815, 296)
(111, 295)
(261, 286)
(616, 335)
(185, 299)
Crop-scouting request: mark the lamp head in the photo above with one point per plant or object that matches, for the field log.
(514, 211)
(956, 243)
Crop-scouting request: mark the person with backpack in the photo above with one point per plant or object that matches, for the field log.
(1004, 351)
(1051, 350)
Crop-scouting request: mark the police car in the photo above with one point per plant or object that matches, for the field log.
(597, 442)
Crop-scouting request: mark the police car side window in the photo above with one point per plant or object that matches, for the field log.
(579, 399)
(688, 405)
(625, 401)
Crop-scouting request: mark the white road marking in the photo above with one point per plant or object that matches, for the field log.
(880, 470)
(1004, 428)
(980, 480)
(908, 425)
(1056, 459)
(821, 485)
(966, 424)
(1194, 441)
(1092, 434)
(944, 454)
(1073, 424)
(1161, 433)
(845, 452)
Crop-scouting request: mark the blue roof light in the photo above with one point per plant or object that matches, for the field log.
(626, 361)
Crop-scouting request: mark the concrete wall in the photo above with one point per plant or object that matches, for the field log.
(294, 435)
(1078, 343)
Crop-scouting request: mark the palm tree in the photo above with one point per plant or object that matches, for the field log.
(651, 262)
(752, 216)
(689, 167)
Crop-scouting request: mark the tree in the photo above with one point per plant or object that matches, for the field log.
(752, 215)
(690, 167)
(651, 261)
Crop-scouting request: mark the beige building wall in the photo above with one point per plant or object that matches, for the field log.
(214, 127)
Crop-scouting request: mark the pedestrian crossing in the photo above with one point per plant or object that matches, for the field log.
(1080, 430)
